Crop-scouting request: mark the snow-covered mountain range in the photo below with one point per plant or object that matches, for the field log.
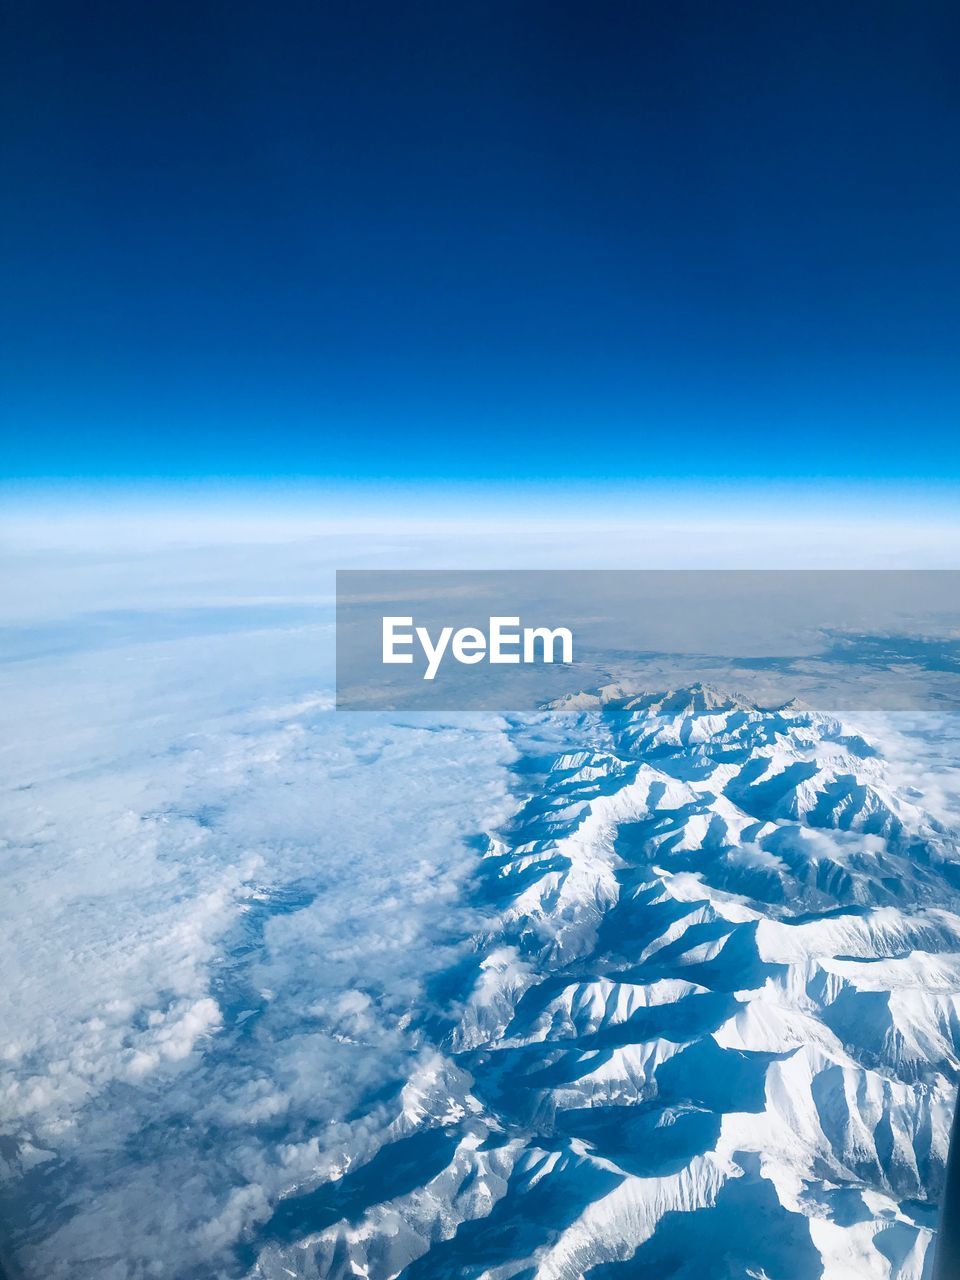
(709, 1026)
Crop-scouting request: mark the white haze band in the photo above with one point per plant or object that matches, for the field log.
(469, 645)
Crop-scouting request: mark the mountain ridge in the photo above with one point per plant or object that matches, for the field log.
(718, 975)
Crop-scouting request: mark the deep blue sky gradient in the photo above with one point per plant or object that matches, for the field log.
(480, 241)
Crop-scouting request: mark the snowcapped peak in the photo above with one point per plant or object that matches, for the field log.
(714, 1009)
(696, 699)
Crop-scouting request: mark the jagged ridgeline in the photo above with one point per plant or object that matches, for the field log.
(710, 1027)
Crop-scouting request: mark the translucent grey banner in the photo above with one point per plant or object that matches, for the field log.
(511, 640)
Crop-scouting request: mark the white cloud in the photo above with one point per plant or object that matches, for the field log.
(221, 899)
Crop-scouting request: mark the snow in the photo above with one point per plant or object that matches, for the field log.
(721, 1001)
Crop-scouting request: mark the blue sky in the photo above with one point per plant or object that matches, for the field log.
(481, 243)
